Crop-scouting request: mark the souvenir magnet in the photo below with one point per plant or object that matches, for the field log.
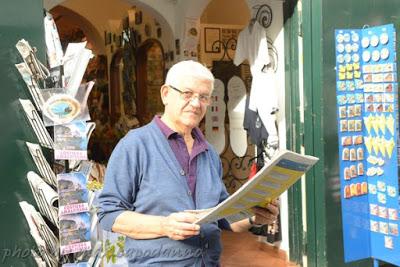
(384, 38)
(384, 53)
(365, 42)
(61, 108)
(346, 37)
(376, 55)
(355, 37)
(340, 48)
(339, 38)
(366, 56)
(374, 40)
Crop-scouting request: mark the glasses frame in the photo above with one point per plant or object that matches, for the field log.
(203, 99)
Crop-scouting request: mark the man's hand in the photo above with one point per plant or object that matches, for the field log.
(180, 225)
(267, 215)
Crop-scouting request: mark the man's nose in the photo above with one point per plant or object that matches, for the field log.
(195, 101)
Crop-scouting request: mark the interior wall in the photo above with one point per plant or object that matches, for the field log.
(69, 20)
(99, 17)
(213, 15)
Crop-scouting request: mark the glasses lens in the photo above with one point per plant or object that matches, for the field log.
(205, 99)
(187, 95)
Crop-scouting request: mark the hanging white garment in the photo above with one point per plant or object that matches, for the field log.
(253, 45)
(236, 108)
(215, 118)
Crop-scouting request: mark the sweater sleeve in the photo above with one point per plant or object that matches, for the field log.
(121, 182)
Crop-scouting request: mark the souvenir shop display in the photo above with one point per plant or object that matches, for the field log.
(69, 233)
(367, 119)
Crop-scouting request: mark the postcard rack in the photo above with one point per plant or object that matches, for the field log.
(65, 226)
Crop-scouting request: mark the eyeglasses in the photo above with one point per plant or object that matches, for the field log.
(189, 96)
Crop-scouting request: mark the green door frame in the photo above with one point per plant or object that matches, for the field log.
(315, 197)
(293, 125)
(313, 241)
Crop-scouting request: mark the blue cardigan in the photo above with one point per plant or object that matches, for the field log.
(143, 175)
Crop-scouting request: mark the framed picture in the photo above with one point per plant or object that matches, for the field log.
(211, 38)
(138, 18)
(177, 47)
(107, 38)
(125, 23)
(159, 32)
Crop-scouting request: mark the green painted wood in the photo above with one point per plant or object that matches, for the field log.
(352, 14)
(18, 19)
(311, 131)
(294, 133)
(320, 18)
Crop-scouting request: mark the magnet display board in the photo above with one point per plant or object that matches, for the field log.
(367, 108)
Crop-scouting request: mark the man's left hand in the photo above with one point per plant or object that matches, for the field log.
(267, 215)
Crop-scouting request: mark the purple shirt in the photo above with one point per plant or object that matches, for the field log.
(178, 146)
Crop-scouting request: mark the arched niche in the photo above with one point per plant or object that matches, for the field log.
(150, 77)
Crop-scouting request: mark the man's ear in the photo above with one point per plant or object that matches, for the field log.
(164, 93)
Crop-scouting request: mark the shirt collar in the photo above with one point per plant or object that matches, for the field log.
(169, 133)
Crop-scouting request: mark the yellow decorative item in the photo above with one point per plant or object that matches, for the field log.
(390, 123)
(368, 143)
(375, 145)
(389, 147)
(349, 75)
(382, 123)
(382, 145)
(375, 124)
(349, 67)
(368, 123)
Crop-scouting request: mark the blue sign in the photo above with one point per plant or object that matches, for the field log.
(367, 108)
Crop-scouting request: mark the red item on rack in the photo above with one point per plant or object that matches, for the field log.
(253, 170)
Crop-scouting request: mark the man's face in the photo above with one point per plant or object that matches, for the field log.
(182, 112)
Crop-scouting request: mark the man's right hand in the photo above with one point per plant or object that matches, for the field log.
(180, 225)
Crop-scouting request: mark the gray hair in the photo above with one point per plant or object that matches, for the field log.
(188, 68)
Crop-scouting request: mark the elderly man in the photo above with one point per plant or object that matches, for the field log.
(158, 172)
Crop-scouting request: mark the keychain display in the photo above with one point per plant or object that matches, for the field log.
(366, 89)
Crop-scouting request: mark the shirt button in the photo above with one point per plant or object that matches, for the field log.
(189, 193)
(182, 172)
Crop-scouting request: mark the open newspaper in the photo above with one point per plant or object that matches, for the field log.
(271, 181)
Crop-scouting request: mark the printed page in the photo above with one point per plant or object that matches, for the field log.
(76, 60)
(270, 182)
